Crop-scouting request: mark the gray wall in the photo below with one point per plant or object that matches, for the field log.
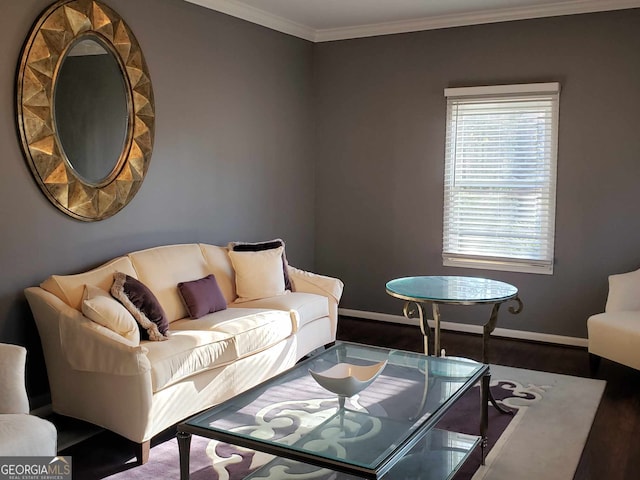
(380, 156)
(232, 157)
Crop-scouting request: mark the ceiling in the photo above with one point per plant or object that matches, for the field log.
(326, 20)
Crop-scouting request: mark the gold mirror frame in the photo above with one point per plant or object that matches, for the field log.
(53, 34)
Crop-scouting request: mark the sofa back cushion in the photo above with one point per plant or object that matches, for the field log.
(162, 268)
(70, 288)
(624, 292)
(219, 264)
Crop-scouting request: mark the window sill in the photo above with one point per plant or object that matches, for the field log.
(501, 265)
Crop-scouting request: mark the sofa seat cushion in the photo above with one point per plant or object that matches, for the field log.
(27, 435)
(307, 306)
(616, 336)
(185, 353)
(615, 325)
(254, 330)
(212, 341)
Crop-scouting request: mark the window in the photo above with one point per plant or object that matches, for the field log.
(500, 177)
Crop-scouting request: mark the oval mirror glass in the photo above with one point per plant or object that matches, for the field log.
(91, 109)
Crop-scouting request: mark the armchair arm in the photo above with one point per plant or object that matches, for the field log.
(13, 394)
(624, 292)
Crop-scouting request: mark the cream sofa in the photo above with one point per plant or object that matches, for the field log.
(615, 334)
(138, 391)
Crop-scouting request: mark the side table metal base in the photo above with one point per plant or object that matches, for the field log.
(487, 330)
(414, 309)
(499, 407)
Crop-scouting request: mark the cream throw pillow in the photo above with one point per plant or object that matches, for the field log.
(258, 274)
(102, 308)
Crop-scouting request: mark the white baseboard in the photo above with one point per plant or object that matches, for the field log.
(462, 327)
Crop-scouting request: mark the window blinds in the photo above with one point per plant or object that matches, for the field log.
(500, 176)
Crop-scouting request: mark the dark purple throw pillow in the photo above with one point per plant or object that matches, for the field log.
(261, 246)
(202, 296)
(142, 304)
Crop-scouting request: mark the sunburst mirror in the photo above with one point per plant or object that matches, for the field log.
(85, 109)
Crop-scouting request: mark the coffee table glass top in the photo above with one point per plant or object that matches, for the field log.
(292, 416)
(451, 289)
(437, 456)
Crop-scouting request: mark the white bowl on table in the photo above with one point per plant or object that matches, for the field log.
(346, 380)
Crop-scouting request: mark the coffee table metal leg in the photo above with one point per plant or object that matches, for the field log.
(184, 447)
(484, 413)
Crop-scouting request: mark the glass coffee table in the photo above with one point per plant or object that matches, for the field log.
(383, 431)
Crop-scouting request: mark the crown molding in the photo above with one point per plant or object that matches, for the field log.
(258, 16)
(571, 7)
(274, 22)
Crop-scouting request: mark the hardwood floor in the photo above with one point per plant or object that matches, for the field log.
(612, 451)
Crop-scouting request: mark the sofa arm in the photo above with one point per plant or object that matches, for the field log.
(624, 292)
(91, 347)
(329, 287)
(313, 283)
(85, 345)
(13, 394)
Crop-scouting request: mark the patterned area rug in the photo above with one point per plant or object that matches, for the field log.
(544, 439)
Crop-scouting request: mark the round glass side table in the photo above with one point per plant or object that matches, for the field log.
(453, 290)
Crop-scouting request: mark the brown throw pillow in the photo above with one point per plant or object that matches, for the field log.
(202, 296)
(143, 305)
(261, 246)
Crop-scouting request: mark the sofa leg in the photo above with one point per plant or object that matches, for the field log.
(142, 452)
(594, 363)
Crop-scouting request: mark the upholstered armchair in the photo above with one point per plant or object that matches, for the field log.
(615, 334)
(21, 434)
